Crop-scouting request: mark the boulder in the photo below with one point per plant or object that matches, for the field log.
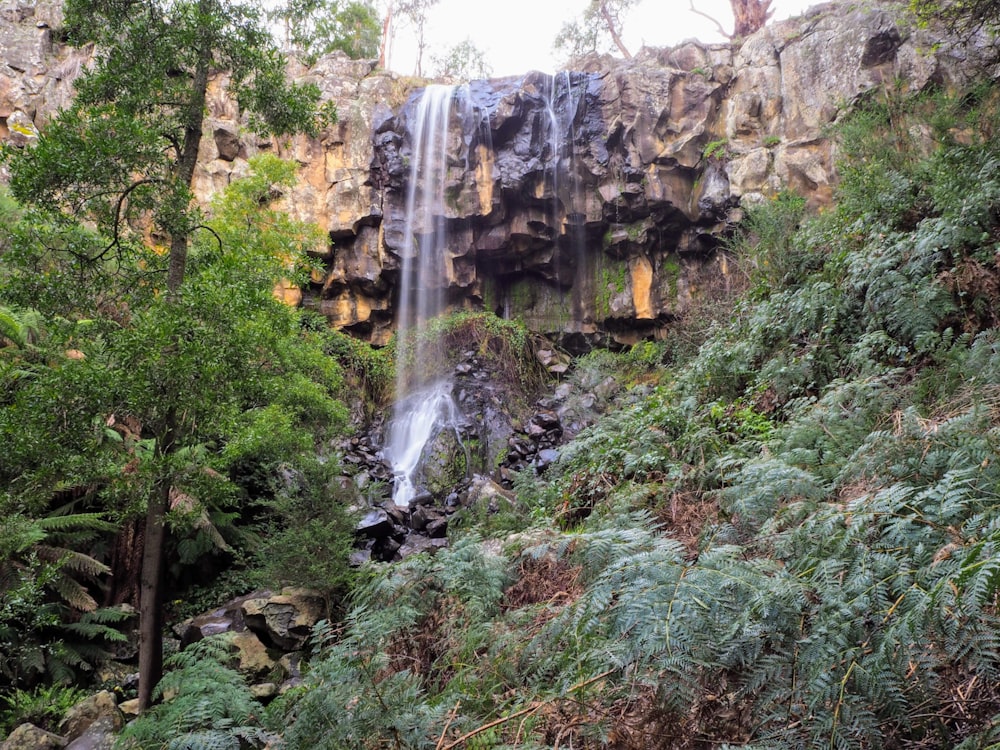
(285, 620)
(30, 737)
(225, 619)
(100, 735)
(254, 659)
(85, 713)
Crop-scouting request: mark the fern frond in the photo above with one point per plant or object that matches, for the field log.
(76, 522)
(74, 594)
(70, 560)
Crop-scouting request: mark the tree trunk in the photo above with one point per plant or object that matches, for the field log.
(150, 596)
(749, 16)
(126, 565)
(383, 53)
(151, 592)
(613, 30)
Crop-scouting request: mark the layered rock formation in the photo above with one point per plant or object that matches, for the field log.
(590, 205)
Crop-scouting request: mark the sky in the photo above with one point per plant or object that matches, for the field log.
(516, 35)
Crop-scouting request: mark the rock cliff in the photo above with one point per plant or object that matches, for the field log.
(590, 204)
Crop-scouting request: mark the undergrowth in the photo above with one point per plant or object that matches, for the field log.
(788, 539)
(505, 347)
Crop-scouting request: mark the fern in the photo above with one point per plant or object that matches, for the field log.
(206, 704)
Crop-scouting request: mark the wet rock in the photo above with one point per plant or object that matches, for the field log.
(437, 528)
(422, 498)
(396, 514)
(423, 515)
(375, 525)
(546, 457)
(385, 549)
(444, 464)
(359, 557)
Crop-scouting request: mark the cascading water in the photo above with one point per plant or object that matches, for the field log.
(562, 100)
(423, 406)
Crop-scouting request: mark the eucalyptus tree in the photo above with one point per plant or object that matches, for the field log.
(411, 12)
(318, 27)
(748, 16)
(602, 22)
(462, 61)
(122, 156)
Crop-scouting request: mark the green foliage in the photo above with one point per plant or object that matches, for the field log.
(505, 345)
(118, 154)
(788, 540)
(715, 149)
(596, 30)
(307, 534)
(50, 625)
(206, 704)
(463, 62)
(44, 706)
(765, 245)
(254, 396)
(372, 369)
(965, 17)
(314, 28)
(425, 618)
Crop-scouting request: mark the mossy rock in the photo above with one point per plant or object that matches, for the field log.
(444, 464)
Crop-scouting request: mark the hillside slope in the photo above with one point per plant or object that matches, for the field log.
(786, 536)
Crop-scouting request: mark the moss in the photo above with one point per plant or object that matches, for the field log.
(671, 270)
(612, 281)
(716, 149)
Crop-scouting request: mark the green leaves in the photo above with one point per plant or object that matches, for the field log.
(206, 704)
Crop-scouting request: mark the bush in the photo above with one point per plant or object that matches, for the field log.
(44, 706)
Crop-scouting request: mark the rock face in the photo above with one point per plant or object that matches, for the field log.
(590, 204)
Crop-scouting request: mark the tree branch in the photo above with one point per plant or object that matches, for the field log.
(211, 232)
(613, 30)
(710, 18)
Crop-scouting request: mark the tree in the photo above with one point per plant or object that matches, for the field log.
(602, 22)
(413, 13)
(463, 61)
(317, 27)
(748, 16)
(123, 156)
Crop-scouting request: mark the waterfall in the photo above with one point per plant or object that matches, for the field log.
(423, 398)
(563, 98)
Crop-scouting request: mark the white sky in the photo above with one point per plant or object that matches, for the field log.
(517, 35)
